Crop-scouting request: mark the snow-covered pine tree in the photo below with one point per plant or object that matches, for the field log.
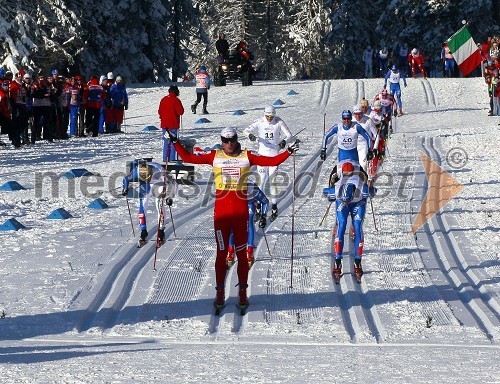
(305, 24)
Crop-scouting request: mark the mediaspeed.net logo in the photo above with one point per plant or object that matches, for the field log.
(442, 187)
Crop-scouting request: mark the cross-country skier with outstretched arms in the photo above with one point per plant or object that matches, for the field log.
(151, 178)
(347, 138)
(267, 130)
(394, 77)
(350, 194)
(231, 166)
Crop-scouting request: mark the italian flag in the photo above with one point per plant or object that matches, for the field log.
(465, 51)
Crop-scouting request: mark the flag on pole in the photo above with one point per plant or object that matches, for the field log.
(464, 50)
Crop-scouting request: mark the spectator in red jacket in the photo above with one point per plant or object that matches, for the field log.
(170, 112)
(416, 59)
(95, 97)
(5, 111)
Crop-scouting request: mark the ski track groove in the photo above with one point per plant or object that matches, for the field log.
(370, 313)
(278, 269)
(430, 97)
(324, 96)
(473, 297)
(118, 285)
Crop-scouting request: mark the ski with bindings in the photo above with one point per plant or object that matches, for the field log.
(219, 308)
(336, 277)
(358, 272)
(243, 309)
(141, 243)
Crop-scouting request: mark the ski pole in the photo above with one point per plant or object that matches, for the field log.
(124, 122)
(161, 217)
(373, 214)
(293, 220)
(326, 213)
(172, 220)
(267, 244)
(161, 220)
(130, 215)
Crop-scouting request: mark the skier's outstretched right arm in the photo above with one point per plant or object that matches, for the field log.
(188, 157)
(333, 130)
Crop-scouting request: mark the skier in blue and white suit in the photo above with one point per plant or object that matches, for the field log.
(350, 194)
(255, 196)
(394, 77)
(347, 138)
(151, 177)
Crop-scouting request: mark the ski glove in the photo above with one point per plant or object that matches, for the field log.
(252, 137)
(294, 147)
(372, 191)
(322, 155)
(262, 221)
(282, 144)
(168, 201)
(172, 137)
(369, 155)
(125, 192)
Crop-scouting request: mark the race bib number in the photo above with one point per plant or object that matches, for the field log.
(231, 176)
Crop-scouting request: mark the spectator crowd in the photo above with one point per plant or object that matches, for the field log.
(58, 107)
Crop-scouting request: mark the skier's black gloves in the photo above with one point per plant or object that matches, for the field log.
(372, 191)
(252, 137)
(168, 201)
(282, 144)
(125, 192)
(369, 155)
(322, 155)
(294, 147)
(262, 221)
(172, 137)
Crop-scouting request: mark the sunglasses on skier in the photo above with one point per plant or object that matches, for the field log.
(226, 140)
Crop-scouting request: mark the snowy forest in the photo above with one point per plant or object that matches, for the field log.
(160, 40)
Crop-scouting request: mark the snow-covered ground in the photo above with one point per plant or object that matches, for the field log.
(82, 304)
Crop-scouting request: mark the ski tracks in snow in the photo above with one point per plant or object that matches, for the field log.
(450, 271)
(109, 297)
(430, 97)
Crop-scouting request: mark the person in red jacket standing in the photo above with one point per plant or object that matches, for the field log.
(416, 59)
(231, 166)
(5, 110)
(170, 112)
(95, 97)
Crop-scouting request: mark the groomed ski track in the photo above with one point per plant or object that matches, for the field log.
(181, 291)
